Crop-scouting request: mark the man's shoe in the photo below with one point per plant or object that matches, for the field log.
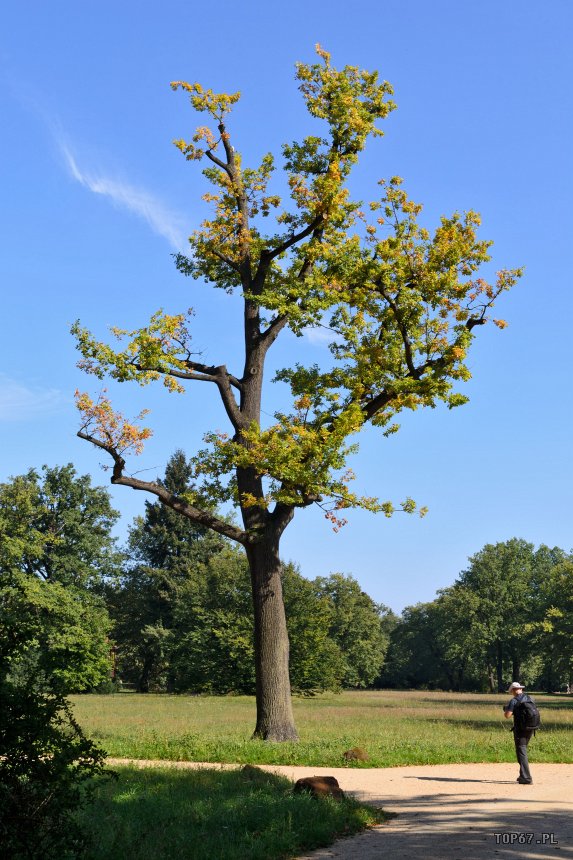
(522, 781)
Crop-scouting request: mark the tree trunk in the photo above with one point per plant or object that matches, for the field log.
(549, 677)
(491, 679)
(143, 680)
(515, 669)
(275, 721)
(499, 667)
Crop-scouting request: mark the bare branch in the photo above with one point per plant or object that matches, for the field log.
(211, 371)
(170, 500)
(473, 321)
(226, 260)
(208, 373)
(414, 372)
(268, 255)
(218, 162)
(229, 151)
(223, 382)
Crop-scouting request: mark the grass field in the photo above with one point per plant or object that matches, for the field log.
(159, 814)
(396, 728)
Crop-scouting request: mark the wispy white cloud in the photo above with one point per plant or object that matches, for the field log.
(319, 336)
(20, 402)
(162, 220)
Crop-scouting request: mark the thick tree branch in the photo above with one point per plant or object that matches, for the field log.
(414, 372)
(473, 321)
(281, 516)
(219, 163)
(232, 409)
(273, 330)
(211, 372)
(226, 260)
(205, 373)
(268, 255)
(196, 515)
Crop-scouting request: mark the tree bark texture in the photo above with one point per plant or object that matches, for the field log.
(275, 720)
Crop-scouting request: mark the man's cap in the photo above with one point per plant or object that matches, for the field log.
(515, 686)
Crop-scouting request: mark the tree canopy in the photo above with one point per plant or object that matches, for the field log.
(57, 526)
(505, 618)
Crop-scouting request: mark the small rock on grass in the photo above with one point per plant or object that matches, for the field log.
(319, 786)
(355, 754)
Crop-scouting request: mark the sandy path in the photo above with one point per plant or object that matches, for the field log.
(449, 812)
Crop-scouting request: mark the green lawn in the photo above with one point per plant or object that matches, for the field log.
(162, 813)
(396, 728)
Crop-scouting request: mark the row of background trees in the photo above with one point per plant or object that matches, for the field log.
(172, 610)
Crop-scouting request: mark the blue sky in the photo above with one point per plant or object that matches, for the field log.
(96, 199)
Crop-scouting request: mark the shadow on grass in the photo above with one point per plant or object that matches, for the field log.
(151, 814)
(505, 726)
(556, 701)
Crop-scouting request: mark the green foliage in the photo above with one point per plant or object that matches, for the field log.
(52, 642)
(554, 627)
(505, 617)
(56, 636)
(357, 627)
(56, 553)
(213, 646)
(167, 554)
(55, 525)
(415, 657)
(316, 660)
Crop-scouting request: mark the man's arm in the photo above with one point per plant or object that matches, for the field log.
(508, 710)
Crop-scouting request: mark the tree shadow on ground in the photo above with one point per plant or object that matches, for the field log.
(161, 814)
(461, 779)
(553, 701)
(438, 827)
(505, 726)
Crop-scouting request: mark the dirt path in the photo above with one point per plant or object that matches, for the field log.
(449, 812)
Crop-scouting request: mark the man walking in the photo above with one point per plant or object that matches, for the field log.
(521, 735)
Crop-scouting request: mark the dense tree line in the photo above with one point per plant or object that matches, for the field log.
(507, 616)
(172, 610)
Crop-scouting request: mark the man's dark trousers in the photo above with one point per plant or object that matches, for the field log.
(521, 741)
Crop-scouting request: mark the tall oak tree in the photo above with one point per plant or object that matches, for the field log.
(402, 305)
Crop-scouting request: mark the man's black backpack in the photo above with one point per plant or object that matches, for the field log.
(526, 716)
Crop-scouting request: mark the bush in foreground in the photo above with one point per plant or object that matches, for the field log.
(47, 765)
